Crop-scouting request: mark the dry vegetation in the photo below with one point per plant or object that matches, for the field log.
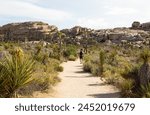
(29, 67)
(123, 66)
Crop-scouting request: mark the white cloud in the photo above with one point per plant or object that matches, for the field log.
(18, 8)
(121, 11)
(67, 13)
(94, 23)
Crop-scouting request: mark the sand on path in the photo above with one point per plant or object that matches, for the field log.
(75, 83)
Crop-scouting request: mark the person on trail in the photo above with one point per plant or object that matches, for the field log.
(81, 55)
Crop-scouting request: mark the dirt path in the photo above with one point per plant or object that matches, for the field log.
(77, 84)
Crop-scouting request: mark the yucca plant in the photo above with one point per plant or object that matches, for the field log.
(15, 72)
(145, 91)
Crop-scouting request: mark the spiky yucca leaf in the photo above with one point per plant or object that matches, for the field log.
(15, 72)
(145, 91)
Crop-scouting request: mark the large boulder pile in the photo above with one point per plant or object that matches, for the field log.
(27, 31)
(36, 31)
(116, 35)
(143, 26)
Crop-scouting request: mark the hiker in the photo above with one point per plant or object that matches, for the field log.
(81, 55)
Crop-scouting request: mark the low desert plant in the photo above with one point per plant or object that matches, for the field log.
(145, 91)
(87, 66)
(15, 72)
(72, 58)
(59, 68)
(126, 87)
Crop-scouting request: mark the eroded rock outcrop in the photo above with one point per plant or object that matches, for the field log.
(143, 26)
(138, 34)
(27, 31)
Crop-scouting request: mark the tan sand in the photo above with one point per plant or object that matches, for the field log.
(75, 83)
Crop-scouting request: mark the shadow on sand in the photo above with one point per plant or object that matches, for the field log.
(97, 84)
(106, 95)
(80, 72)
(79, 76)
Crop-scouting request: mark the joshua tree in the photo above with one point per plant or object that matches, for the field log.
(101, 62)
(144, 71)
(86, 34)
(60, 36)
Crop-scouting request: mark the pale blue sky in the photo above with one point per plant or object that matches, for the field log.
(94, 14)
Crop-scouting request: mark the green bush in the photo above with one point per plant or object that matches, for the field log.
(72, 58)
(87, 58)
(70, 50)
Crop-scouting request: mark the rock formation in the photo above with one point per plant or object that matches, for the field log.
(27, 31)
(143, 26)
(35, 31)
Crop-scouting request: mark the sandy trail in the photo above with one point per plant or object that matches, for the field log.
(75, 83)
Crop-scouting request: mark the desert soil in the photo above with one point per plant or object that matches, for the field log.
(75, 83)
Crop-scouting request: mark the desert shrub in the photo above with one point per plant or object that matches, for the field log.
(126, 87)
(132, 74)
(70, 50)
(42, 82)
(55, 52)
(44, 70)
(59, 68)
(111, 79)
(87, 58)
(72, 58)
(15, 72)
(95, 70)
(45, 76)
(87, 66)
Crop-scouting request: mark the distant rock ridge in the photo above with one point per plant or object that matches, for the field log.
(27, 31)
(37, 30)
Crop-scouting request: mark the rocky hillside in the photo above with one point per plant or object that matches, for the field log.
(27, 31)
(138, 34)
(116, 35)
